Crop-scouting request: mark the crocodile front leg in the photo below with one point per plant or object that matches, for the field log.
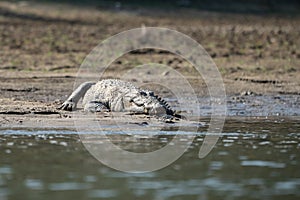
(71, 103)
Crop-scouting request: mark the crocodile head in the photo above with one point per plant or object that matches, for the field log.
(145, 102)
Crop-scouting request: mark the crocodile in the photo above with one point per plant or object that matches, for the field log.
(119, 96)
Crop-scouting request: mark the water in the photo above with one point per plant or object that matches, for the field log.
(255, 158)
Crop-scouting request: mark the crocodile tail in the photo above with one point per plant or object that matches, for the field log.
(169, 111)
(172, 112)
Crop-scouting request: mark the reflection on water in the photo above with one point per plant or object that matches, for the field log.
(254, 159)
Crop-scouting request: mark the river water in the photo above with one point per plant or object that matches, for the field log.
(255, 158)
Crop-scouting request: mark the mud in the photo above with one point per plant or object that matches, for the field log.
(42, 47)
